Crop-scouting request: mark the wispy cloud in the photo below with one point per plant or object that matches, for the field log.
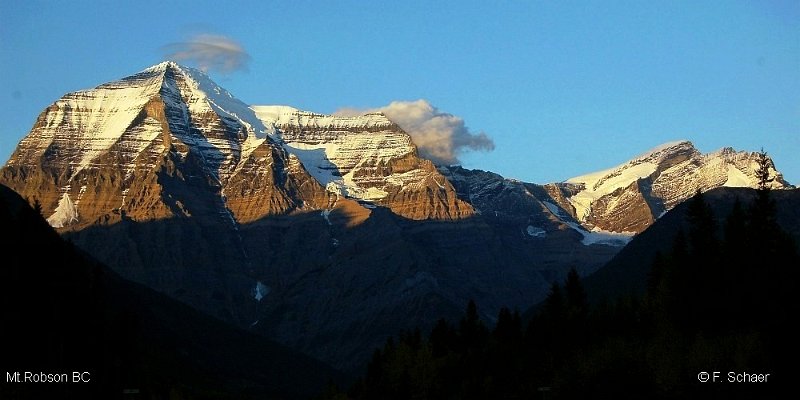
(209, 52)
(439, 136)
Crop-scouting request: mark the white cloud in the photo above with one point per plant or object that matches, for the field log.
(440, 137)
(210, 53)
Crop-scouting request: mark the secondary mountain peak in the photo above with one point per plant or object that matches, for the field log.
(629, 196)
(365, 157)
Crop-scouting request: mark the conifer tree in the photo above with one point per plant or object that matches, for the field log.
(762, 173)
(37, 206)
(442, 338)
(577, 301)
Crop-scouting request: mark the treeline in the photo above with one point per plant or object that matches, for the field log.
(723, 299)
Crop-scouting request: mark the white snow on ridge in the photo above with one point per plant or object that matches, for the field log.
(206, 96)
(662, 147)
(111, 110)
(218, 98)
(92, 121)
(601, 183)
(280, 115)
(274, 115)
(612, 180)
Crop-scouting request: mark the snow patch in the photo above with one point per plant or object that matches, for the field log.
(533, 231)
(65, 214)
(326, 215)
(737, 178)
(315, 158)
(597, 236)
(556, 210)
(616, 239)
(260, 291)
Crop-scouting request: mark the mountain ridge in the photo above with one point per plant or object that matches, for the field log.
(326, 233)
(152, 119)
(658, 180)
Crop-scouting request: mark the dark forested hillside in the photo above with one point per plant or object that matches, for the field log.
(714, 319)
(627, 272)
(63, 312)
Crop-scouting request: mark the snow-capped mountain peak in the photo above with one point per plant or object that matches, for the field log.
(602, 183)
(220, 99)
(121, 140)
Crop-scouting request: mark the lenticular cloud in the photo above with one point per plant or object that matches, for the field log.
(210, 53)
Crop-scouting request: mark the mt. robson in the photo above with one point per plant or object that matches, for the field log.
(326, 233)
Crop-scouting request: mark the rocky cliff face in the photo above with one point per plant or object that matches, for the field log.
(539, 210)
(617, 202)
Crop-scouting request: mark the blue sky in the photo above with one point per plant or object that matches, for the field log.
(562, 88)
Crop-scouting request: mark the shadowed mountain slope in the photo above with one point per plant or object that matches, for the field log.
(63, 312)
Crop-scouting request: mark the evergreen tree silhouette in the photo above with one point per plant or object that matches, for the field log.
(762, 172)
(37, 206)
(577, 301)
(442, 339)
(704, 293)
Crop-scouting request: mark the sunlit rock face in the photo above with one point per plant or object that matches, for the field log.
(368, 158)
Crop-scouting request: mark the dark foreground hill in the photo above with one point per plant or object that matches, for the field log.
(64, 313)
(713, 317)
(628, 271)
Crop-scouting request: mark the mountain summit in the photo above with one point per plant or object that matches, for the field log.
(168, 141)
